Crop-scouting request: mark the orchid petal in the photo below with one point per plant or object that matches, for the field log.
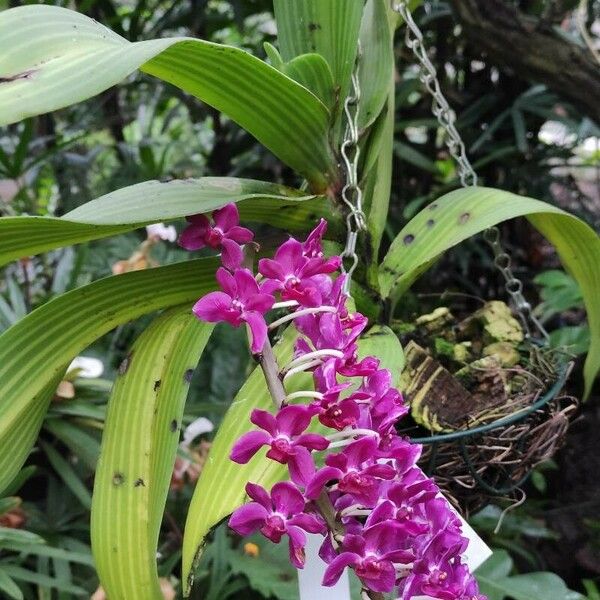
(258, 328)
(293, 420)
(227, 282)
(248, 445)
(231, 254)
(297, 539)
(287, 498)
(320, 479)
(301, 466)
(248, 518)
(337, 565)
(227, 217)
(260, 495)
(265, 420)
(241, 235)
(213, 307)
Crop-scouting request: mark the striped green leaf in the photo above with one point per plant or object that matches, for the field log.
(152, 201)
(220, 489)
(463, 213)
(376, 66)
(378, 183)
(314, 73)
(138, 452)
(34, 351)
(45, 49)
(328, 27)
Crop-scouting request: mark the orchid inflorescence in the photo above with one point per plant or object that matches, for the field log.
(379, 514)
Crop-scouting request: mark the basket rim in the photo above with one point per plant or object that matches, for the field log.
(550, 394)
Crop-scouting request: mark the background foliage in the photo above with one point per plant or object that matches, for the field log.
(522, 136)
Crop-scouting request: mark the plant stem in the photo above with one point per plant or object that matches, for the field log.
(270, 370)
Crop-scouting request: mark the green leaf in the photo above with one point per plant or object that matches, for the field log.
(496, 583)
(574, 340)
(328, 27)
(7, 504)
(280, 113)
(314, 73)
(9, 535)
(66, 472)
(270, 573)
(51, 552)
(21, 574)
(35, 351)
(84, 446)
(465, 212)
(152, 201)
(376, 65)
(138, 452)
(411, 155)
(220, 489)
(9, 587)
(378, 187)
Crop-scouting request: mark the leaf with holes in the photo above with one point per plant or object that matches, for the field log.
(35, 351)
(283, 115)
(220, 489)
(139, 444)
(152, 201)
(466, 212)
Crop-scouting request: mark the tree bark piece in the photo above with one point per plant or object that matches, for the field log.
(533, 49)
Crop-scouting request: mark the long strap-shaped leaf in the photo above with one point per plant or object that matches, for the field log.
(327, 27)
(463, 213)
(33, 352)
(152, 201)
(138, 451)
(220, 489)
(52, 57)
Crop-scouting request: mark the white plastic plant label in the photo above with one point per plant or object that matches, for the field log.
(309, 578)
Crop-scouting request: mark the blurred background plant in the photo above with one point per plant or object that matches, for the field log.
(523, 133)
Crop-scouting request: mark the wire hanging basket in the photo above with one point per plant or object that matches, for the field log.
(476, 465)
(473, 464)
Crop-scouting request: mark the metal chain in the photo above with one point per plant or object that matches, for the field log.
(447, 119)
(351, 192)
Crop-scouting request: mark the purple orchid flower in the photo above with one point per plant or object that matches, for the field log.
(284, 433)
(241, 301)
(356, 472)
(404, 503)
(440, 574)
(313, 246)
(276, 515)
(296, 276)
(372, 556)
(225, 233)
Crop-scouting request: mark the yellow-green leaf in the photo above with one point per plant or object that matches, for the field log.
(35, 351)
(139, 445)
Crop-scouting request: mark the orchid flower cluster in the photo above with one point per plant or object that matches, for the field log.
(358, 486)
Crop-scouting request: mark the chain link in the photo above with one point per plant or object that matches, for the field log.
(456, 147)
(351, 192)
